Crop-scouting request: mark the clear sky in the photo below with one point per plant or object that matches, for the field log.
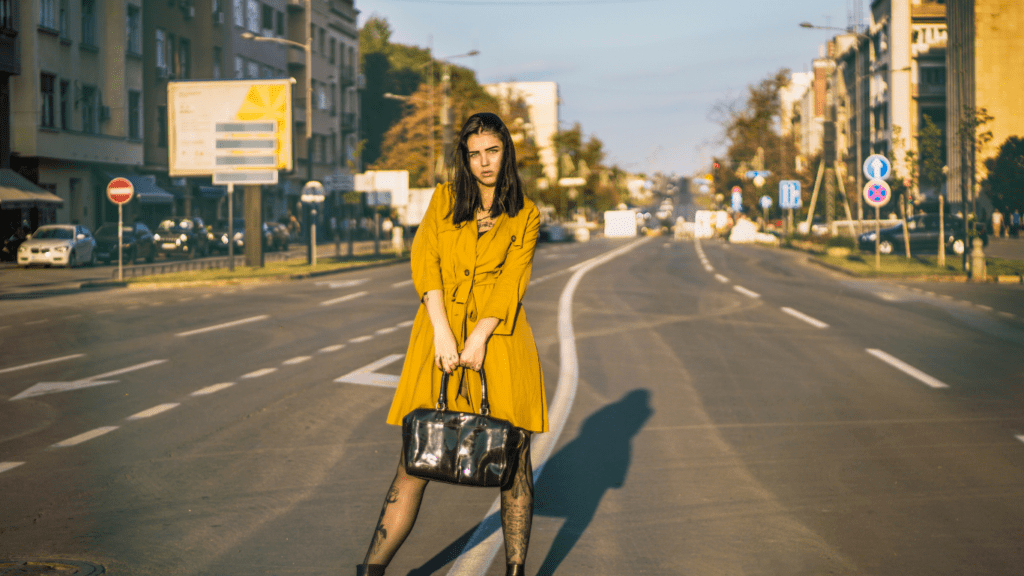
(643, 76)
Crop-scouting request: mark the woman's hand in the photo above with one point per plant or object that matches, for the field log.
(446, 350)
(476, 344)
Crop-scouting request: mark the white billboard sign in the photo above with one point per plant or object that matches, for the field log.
(229, 126)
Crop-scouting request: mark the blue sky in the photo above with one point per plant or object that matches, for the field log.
(641, 75)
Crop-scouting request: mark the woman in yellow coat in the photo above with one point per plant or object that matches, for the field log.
(471, 263)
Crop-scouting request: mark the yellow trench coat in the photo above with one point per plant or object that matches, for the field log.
(480, 278)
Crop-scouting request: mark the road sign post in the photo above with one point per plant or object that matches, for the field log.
(790, 198)
(877, 193)
(120, 191)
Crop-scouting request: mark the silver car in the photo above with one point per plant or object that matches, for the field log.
(58, 245)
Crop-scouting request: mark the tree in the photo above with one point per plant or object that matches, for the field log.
(932, 148)
(580, 157)
(1005, 183)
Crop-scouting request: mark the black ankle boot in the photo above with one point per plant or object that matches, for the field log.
(370, 570)
(514, 570)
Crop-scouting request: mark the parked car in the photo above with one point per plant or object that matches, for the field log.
(277, 236)
(136, 241)
(923, 232)
(58, 245)
(182, 237)
(220, 236)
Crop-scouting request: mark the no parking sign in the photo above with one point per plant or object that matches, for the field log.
(877, 193)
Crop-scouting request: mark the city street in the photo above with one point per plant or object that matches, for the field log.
(715, 409)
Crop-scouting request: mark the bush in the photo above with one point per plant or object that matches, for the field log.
(841, 242)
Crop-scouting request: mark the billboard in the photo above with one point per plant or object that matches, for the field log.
(239, 130)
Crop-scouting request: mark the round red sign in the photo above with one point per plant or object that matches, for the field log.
(120, 190)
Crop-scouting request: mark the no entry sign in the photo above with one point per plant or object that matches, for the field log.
(120, 190)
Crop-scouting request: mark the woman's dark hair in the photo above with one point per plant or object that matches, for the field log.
(508, 190)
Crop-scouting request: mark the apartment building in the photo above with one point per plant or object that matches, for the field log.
(541, 99)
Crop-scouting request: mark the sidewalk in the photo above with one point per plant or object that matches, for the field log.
(1006, 248)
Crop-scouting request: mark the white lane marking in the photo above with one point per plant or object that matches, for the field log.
(344, 298)
(387, 330)
(721, 279)
(812, 321)
(5, 466)
(709, 268)
(153, 411)
(746, 292)
(329, 349)
(84, 437)
(1020, 437)
(406, 324)
(344, 283)
(361, 339)
(40, 363)
(53, 387)
(259, 373)
(212, 389)
(296, 360)
(402, 284)
(368, 377)
(983, 307)
(35, 322)
(225, 325)
(1006, 315)
(479, 552)
(906, 368)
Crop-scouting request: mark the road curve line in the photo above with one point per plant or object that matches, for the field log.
(797, 314)
(344, 298)
(482, 546)
(745, 292)
(84, 437)
(40, 363)
(225, 325)
(906, 368)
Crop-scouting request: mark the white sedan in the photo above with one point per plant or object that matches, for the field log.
(58, 245)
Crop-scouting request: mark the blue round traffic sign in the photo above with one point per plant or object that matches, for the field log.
(877, 167)
(877, 193)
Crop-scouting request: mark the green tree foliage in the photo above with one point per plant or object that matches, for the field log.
(932, 148)
(580, 156)
(1005, 183)
(753, 141)
(387, 67)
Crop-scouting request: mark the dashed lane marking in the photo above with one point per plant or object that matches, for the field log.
(153, 411)
(225, 325)
(360, 339)
(402, 284)
(259, 373)
(387, 330)
(329, 349)
(296, 360)
(344, 298)
(745, 292)
(84, 437)
(40, 363)
(906, 368)
(721, 279)
(812, 321)
(212, 389)
(5, 466)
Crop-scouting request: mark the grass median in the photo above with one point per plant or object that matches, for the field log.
(922, 266)
(283, 270)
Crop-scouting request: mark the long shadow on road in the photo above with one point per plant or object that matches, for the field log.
(573, 482)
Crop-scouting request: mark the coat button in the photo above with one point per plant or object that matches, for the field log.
(513, 238)
(466, 272)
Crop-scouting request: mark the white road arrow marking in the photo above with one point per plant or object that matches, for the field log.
(367, 377)
(53, 387)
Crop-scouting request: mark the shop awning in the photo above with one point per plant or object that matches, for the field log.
(213, 192)
(16, 191)
(146, 189)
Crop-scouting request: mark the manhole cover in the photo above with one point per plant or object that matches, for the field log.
(50, 567)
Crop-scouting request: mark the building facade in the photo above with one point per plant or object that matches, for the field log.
(542, 101)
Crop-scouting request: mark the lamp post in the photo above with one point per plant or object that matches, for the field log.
(856, 106)
(308, 49)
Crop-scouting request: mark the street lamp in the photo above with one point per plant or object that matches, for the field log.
(308, 49)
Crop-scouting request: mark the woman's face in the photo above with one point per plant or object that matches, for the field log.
(484, 152)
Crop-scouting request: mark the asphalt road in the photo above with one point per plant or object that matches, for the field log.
(730, 410)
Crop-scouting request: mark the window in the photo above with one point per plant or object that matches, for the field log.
(330, 55)
(47, 17)
(184, 64)
(321, 92)
(161, 126)
(239, 13)
(135, 114)
(46, 92)
(161, 49)
(933, 76)
(321, 46)
(172, 54)
(239, 67)
(65, 105)
(88, 107)
(279, 27)
(216, 63)
(253, 16)
(133, 30)
(65, 27)
(267, 20)
(89, 22)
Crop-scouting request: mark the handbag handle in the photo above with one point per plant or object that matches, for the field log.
(442, 400)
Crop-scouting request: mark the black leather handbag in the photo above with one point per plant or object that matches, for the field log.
(460, 447)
